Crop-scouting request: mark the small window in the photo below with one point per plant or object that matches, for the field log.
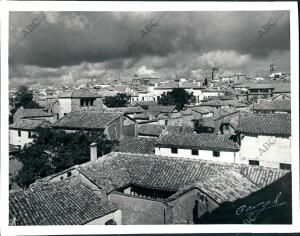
(57, 116)
(19, 133)
(92, 102)
(61, 177)
(216, 153)
(166, 122)
(253, 163)
(195, 152)
(285, 166)
(65, 114)
(82, 102)
(29, 134)
(174, 150)
(87, 102)
(69, 174)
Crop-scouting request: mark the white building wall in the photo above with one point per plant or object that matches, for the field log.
(116, 216)
(65, 106)
(228, 157)
(207, 94)
(16, 140)
(270, 151)
(198, 94)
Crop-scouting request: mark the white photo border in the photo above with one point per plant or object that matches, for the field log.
(9, 6)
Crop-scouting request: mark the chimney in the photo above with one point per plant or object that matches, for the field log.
(165, 129)
(93, 151)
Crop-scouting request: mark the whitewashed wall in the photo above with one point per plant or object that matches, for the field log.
(65, 106)
(116, 216)
(228, 157)
(16, 140)
(268, 150)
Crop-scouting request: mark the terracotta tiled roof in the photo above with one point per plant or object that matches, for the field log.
(228, 97)
(222, 112)
(274, 105)
(47, 103)
(224, 187)
(200, 110)
(126, 110)
(35, 112)
(30, 124)
(144, 116)
(282, 88)
(202, 141)
(214, 103)
(235, 103)
(261, 86)
(208, 122)
(67, 202)
(136, 145)
(161, 109)
(117, 170)
(86, 120)
(266, 124)
(79, 93)
(107, 172)
(155, 130)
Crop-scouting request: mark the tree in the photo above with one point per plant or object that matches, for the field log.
(121, 100)
(178, 97)
(53, 151)
(24, 98)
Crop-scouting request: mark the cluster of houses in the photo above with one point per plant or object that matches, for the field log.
(170, 166)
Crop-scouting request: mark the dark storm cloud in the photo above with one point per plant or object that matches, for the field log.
(69, 47)
(65, 39)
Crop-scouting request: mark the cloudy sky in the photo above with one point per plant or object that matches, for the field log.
(71, 47)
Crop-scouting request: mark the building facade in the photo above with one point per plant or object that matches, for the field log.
(265, 140)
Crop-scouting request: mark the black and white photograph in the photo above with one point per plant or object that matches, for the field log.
(169, 117)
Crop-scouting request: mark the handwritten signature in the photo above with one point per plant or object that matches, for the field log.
(253, 211)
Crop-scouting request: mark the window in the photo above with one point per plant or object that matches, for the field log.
(61, 177)
(82, 102)
(86, 102)
(92, 102)
(253, 163)
(195, 152)
(65, 114)
(57, 116)
(29, 134)
(69, 174)
(285, 166)
(19, 133)
(166, 122)
(174, 150)
(110, 222)
(216, 153)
